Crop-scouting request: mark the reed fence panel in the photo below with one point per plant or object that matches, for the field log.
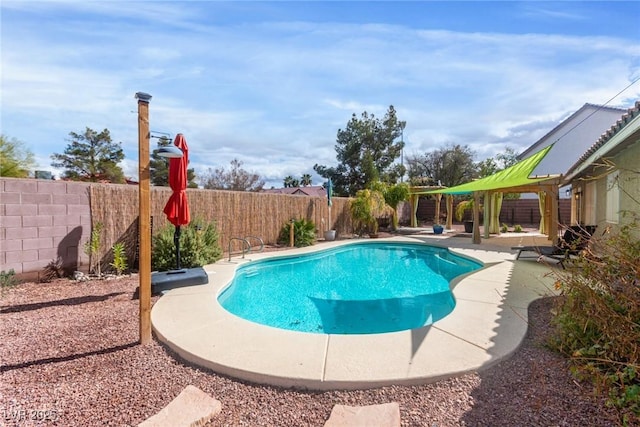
(236, 214)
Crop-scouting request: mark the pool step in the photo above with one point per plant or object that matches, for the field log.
(250, 272)
(446, 260)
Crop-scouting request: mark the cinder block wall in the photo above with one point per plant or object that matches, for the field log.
(42, 221)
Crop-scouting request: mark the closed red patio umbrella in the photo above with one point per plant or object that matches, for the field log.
(177, 208)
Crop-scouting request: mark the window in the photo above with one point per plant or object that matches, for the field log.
(613, 198)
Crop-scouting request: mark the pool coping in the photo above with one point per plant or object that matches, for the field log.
(487, 324)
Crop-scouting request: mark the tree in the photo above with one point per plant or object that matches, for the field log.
(487, 167)
(291, 182)
(236, 179)
(15, 159)
(500, 161)
(305, 180)
(508, 158)
(448, 166)
(91, 156)
(366, 151)
(159, 167)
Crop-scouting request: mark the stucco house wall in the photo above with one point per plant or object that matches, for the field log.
(628, 163)
(627, 166)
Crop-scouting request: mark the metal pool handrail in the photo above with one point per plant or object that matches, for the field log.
(258, 239)
(247, 246)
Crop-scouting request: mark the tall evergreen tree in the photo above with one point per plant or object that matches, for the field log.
(159, 167)
(91, 156)
(366, 151)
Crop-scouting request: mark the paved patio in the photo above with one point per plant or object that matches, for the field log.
(488, 323)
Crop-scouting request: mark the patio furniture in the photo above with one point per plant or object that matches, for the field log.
(575, 239)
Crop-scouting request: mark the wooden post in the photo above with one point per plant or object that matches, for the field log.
(449, 211)
(144, 225)
(488, 209)
(436, 218)
(291, 234)
(476, 218)
(553, 214)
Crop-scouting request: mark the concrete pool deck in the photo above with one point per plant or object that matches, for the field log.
(487, 324)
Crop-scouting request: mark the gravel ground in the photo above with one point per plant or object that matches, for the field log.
(70, 357)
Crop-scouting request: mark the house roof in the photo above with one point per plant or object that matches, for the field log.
(518, 175)
(623, 133)
(311, 190)
(572, 137)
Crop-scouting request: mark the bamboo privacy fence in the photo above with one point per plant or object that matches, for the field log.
(236, 214)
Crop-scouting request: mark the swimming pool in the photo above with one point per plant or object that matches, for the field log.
(361, 288)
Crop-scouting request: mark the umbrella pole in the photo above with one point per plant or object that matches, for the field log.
(176, 241)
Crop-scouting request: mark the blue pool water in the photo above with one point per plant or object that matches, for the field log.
(359, 288)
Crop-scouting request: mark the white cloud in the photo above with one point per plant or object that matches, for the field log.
(273, 94)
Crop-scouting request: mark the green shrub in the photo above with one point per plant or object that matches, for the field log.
(365, 209)
(119, 258)
(504, 228)
(517, 228)
(7, 280)
(92, 248)
(199, 245)
(598, 321)
(304, 233)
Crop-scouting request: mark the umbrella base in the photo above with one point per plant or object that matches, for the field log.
(167, 280)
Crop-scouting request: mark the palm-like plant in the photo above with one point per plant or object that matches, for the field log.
(462, 208)
(305, 180)
(304, 233)
(365, 209)
(393, 195)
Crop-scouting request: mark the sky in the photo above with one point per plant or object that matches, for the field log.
(270, 83)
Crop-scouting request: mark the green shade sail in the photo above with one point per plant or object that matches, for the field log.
(514, 176)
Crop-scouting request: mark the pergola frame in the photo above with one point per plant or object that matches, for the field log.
(514, 179)
(546, 187)
(549, 188)
(414, 197)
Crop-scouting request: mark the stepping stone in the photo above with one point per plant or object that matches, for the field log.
(383, 415)
(192, 408)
